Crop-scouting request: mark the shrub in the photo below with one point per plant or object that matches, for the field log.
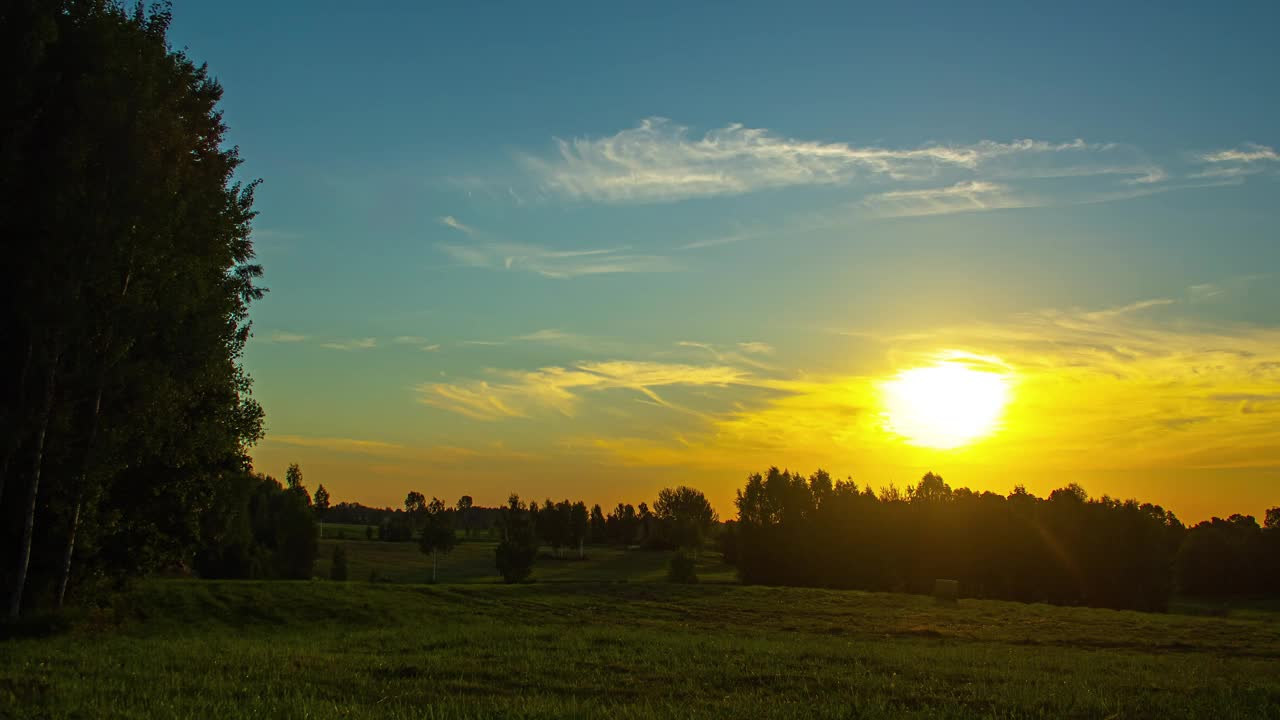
(338, 567)
(682, 569)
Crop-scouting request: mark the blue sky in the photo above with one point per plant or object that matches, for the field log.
(590, 250)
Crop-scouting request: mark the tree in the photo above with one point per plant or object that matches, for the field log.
(437, 532)
(598, 525)
(320, 503)
(124, 403)
(550, 522)
(579, 525)
(415, 506)
(295, 527)
(293, 477)
(644, 518)
(518, 547)
(464, 511)
(621, 525)
(338, 566)
(931, 489)
(686, 514)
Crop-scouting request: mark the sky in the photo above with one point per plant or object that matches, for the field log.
(592, 250)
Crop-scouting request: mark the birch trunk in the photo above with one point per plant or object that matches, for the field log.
(33, 494)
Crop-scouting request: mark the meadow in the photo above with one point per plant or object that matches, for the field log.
(472, 562)
(606, 636)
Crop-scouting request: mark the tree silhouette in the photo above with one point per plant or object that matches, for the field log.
(338, 565)
(579, 526)
(1066, 549)
(464, 511)
(124, 404)
(599, 525)
(438, 535)
(320, 503)
(686, 515)
(518, 547)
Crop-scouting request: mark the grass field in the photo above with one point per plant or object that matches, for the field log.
(473, 562)
(319, 649)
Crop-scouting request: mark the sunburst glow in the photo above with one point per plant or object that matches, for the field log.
(946, 405)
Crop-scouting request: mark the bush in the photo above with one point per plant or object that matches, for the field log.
(338, 567)
(682, 569)
(515, 558)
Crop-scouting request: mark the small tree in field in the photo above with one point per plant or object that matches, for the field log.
(437, 532)
(464, 511)
(682, 569)
(519, 544)
(415, 505)
(338, 566)
(688, 515)
(320, 503)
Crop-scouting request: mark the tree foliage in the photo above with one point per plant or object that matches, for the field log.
(438, 535)
(254, 528)
(123, 406)
(685, 516)
(518, 547)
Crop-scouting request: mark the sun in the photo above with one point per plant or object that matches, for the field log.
(946, 405)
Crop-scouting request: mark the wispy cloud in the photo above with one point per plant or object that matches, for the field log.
(280, 336)
(559, 389)
(417, 340)
(1238, 163)
(558, 264)
(744, 354)
(660, 161)
(962, 197)
(484, 251)
(451, 221)
(350, 445)
(356, 344)
(546, 336)
(1246, 153)
(715, 241)
(378, 448)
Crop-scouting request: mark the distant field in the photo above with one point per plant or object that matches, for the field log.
(347, 531)
(473, 562)
(319, 649)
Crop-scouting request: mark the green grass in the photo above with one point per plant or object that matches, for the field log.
(319, 649)
(346, 530)
(473, 562)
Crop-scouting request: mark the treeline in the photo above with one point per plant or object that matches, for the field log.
(558, 525)
(681, 519)
(1064, 549)
(124, 410)
(1234, 557)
